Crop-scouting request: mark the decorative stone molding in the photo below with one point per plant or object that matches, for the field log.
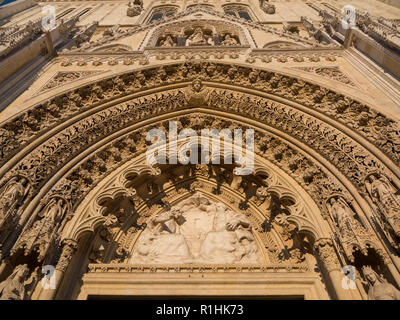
(373, 125)
(326, 252)
(131, 268)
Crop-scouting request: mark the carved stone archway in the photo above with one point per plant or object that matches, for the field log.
(324, 141)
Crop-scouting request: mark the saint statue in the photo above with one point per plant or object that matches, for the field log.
(343, 216)
(55, 211)
(198, 39)
(168, 42)
(229, 41)
(13, 195)
(379, 288)
(384, 194)
(42, 230)
(13, 288)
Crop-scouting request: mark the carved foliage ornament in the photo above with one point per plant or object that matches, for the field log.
(377, 128)
(326, 252)
(233, 104)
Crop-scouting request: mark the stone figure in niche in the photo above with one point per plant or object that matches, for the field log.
(53, 214)
(198, 39)
(379, 288)
(13, 288)
(343, 216)
(13, 195)
(196, 94)
(229, 41)
(197, 230)
(161, 241)
(168, 42)
(384, 194)
(42, 230)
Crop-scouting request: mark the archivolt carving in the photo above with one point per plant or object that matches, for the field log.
(278, 151)
(344, 153)
(383, 132)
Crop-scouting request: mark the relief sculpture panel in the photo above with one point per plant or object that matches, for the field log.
(197, 230)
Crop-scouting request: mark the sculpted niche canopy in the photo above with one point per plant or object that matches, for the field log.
(84, 208)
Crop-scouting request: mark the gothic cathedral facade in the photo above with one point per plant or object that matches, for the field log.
(87, 212)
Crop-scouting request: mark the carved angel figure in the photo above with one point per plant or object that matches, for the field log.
(384, 194)
(379, 288)
(13, 287)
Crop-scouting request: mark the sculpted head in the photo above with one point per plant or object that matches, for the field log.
(197, 85)
(370, 275)
(372, 178)
(20, 272)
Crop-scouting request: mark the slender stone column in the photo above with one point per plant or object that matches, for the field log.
(68, 250)
(348, 38)
(331, 266)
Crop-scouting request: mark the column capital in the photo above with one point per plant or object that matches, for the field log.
(69, 247)
(325, 249)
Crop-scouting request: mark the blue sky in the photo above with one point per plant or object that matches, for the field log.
(5, 2)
